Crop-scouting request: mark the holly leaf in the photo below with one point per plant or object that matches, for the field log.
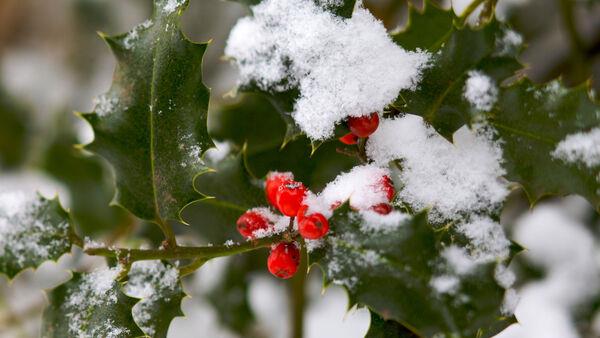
(151, 124)
(394, 270)
(427, 28)
(531, 120)
(32, 230)
(158, 286)
(439, 97)
(90, 305)
(381, 328)
(14, 132)
(229, 191)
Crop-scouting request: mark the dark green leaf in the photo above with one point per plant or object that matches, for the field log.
(90, 305)
(426, 29)
(14, 132)
(32, 231)
(381, 328)
(532, 120)
(403, 261)
(151, 125)
(158, 286)
(90, 183)
(439, 97)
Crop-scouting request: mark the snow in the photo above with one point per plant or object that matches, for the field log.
(488, 242)
(134, 34)
(190, 151)
(373, 221)
(27, 236)
(89, 243)
(361, 186)
(581, 147)
(342, 67)
(565, 249)
(459, 260)
(480, 91)
(152, 282)
(94, 290)
(451, 179)
(219, 152)
(509, 42)
(445, 284)
(278, 223)
(171, 6)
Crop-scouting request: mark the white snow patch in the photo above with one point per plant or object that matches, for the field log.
(373, 221)
(278, 223)
(134, 34)
(459, 260)
(445, 284)
(488, 242)
(342, 67)
(219, 152)
(451, 179)
(171, 6)
(152, 282)
(480, 91)
(580, 147)
(94, 290)
(508, 42)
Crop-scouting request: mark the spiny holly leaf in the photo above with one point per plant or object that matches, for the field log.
(531, 120)
(394, 271)
(33, 229)
(426, 28)
(158, 286)
(439, 97)
(90, 305)
(229, 192)
(14, 132)
(151, 125)
(381, 328)
(88, 179)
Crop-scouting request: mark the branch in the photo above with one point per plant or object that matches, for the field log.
(183, 252)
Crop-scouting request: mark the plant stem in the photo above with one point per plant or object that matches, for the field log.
(170, 240)
(186, 252)
(362, 154)
(298, 297)
(193, 266)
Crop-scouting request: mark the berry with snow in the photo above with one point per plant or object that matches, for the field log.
(349, 139)
(283, 260)
(313, 226)
(274, 181)
(251, 221)
(382, 208)
(289, 197)
(387, 186)
(364, 126)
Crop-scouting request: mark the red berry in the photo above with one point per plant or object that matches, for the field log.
(387, 186)
(289, 197)
(274, 181)
(349, 139)
(363, 126)
(301, 212)
(283, 260)
(251, 221)
(313, 226)
(382, 208)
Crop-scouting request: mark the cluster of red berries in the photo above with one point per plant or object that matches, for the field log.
(360, 127)
(287, 196)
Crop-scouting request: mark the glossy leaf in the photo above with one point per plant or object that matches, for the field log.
(531, 120)
(160, 291)
(381, 328)
(402, 260)
(151, 125)
(89, 305)
(32, 233)
(427, 28)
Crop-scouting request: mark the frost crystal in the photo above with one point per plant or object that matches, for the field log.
(488, 241)
(153, 282)
(96, 289)
(452, 179)
(27, 235)
(171, 6)
(481, 91)
(134, 34)
(342, 67)
(580, 147)
(105, 104)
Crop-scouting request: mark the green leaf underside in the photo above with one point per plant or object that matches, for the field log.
(154, 313)
(151, 125)
(41, 232)
(403, 261)
(531, 120)
(76, 311)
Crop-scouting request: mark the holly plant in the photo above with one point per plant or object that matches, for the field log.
(381, 159)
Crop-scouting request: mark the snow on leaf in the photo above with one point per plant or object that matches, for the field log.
(453, 180)
(157, 285)
(341, 67)
(480, 90)
(90, 305)
(33, 230)
(581, 147)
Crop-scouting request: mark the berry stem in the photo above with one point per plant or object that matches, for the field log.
(362, 153)
(185, 252)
